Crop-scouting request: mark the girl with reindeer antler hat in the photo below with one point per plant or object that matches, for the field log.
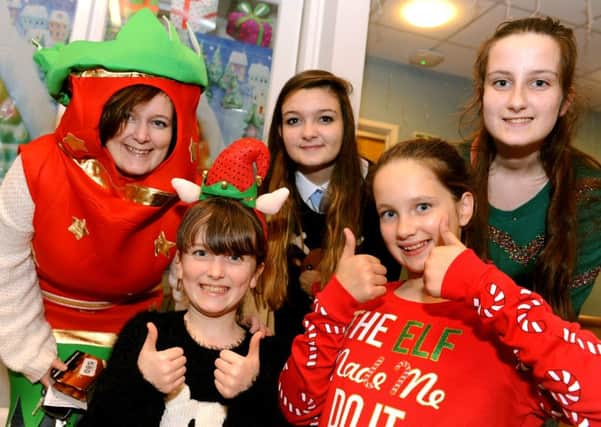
(200, 366)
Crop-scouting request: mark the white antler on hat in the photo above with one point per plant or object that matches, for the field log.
(233, 176)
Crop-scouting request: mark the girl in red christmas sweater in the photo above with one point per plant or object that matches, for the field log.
(457, 343)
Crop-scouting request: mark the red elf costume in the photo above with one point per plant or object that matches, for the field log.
(84, 246)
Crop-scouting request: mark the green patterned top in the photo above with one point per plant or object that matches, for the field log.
(517, 237)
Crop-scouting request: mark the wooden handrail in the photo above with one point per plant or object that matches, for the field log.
(589, 321)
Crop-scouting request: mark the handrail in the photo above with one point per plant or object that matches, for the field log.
(589, 321)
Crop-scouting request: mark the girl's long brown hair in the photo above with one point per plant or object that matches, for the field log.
(556, 263)
(345, 190)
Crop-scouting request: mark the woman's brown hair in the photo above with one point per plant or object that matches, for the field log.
(555, 264)
(345, 189)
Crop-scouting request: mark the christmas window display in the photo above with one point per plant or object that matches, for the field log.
(46, 21)
(26, 110)
(238, 85)
(12, 130)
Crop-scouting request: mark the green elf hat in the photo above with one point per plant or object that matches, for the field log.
(236, 174)
(142, 45)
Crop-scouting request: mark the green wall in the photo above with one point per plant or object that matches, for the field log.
(428, 101)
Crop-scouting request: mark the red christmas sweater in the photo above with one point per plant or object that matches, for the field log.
(101, 240)
(493, 355)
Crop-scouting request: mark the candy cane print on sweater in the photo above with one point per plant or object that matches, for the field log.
(334, 330)
(416, 385)
(593, 347)
(523, 314)
(497, 304)
(564, 360)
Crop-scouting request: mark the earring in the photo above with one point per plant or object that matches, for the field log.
(180, 285)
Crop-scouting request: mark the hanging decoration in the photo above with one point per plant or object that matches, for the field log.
(589, 20)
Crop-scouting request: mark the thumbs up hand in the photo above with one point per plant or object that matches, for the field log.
(363, 276)
(163, 369)
(236, 373)
(440, 259)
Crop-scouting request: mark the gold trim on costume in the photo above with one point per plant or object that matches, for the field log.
(94, 170)
(146, 196)
(194, 149)
(104, 339)
(101, 72)
(95, 305)
(76, 303)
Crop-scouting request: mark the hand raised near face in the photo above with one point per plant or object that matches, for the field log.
(440, 259)
(164, 369)
(235, 373)
(363, 276)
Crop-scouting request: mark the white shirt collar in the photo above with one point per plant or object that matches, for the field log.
(306, 188)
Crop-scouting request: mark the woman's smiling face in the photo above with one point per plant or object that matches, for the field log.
(144, 140)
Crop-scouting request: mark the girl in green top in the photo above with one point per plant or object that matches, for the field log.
(540, 194)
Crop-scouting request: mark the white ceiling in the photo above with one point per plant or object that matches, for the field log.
(391, 38)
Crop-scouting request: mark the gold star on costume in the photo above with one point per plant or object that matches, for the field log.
(78, 228)
(162, 245)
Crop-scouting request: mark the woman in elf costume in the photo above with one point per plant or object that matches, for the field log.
(88, 218)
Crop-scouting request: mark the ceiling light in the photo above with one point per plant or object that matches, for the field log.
(428, 13)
